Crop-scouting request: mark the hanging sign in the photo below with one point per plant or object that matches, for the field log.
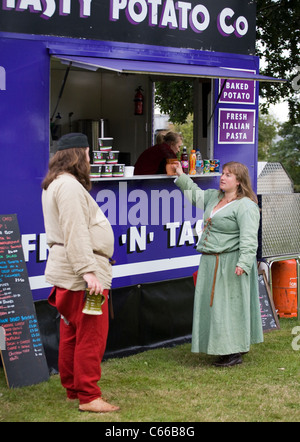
(236, 126)
(237, 91)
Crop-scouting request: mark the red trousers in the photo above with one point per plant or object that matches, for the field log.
(81, 346)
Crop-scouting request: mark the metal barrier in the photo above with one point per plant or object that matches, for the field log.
(279, 233)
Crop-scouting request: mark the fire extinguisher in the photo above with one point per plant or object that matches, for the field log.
(138, 101)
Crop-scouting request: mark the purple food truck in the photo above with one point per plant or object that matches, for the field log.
(75, 66)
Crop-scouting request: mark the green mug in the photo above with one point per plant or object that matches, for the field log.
(93, 304)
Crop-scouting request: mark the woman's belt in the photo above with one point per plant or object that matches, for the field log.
(215, 276)
(217, 255)
(111, 261)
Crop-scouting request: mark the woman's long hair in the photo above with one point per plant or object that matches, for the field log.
(242, 175)
(73, 161)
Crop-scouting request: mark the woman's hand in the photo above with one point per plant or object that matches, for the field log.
(93, 284)
(178, 168)
(238, 271)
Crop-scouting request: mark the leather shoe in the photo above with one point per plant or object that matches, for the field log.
(229, 360)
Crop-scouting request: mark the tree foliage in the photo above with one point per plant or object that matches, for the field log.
(278, 46)
(280, 143)
(186, 131)
(267, 133)
(175, 98)
(287, 151)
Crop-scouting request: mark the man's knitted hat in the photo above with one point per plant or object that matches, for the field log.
(72, 140)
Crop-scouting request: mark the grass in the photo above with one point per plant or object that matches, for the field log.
(175, 385)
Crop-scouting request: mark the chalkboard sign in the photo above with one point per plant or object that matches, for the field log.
(268, 313)
(21, 348)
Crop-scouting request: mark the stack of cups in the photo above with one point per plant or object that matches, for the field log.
(105, 161)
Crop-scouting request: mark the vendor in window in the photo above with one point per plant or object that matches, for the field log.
(153, 160)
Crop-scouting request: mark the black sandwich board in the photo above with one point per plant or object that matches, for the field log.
(268, 313)
(21, 346)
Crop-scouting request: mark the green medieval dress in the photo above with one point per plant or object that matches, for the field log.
(233, 322)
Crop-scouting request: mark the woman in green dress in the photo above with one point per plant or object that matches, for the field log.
(226, 318)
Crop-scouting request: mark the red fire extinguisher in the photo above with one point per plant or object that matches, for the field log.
(138, 101)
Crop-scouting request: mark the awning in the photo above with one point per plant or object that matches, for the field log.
(160, 68)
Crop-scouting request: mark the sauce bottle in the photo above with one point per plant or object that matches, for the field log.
(193, 162)
(185, 161)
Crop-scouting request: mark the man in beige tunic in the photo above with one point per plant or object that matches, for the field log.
(81, 244)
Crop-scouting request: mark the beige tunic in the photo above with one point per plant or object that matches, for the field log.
(76, 228)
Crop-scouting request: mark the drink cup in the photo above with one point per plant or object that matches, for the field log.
(93, 304)
(217, 165)
(129, 171)
(206, 166)
(170, 166)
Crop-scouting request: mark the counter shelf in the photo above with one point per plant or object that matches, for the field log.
(153, 177)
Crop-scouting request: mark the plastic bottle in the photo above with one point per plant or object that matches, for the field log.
(193, 162)
(185, 161)
(199, 162)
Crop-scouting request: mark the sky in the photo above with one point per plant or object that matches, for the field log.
(280, 111)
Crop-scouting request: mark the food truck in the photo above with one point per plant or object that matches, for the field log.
(77, 67)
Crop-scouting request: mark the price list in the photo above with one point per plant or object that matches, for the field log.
(22, 353)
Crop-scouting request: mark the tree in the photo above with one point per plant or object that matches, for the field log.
(186, 130)
(278, 46)
(267, 132)
(287, 151)
(175, 98)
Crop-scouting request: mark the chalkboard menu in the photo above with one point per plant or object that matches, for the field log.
(21, 346)
(268, 313)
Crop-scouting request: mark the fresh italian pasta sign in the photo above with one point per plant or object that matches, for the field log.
(224, 25)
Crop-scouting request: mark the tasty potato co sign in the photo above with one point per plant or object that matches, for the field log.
(225, 25)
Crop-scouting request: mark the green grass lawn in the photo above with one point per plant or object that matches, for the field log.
(175, 385)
